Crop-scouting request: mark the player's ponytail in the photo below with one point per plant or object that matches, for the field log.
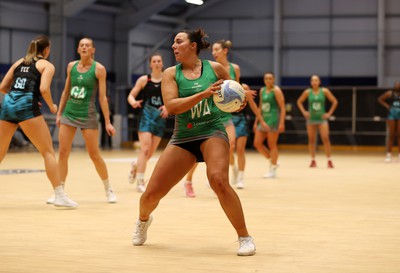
(198, 36)
(35, 48)
(225, 44)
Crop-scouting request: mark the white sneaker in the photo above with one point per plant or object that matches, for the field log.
(246, 246)
(140, 186)
(132, 175)
(140, 234)
(51, 200)
(270, 174)
(388, 159)
(234, 176)
(240, 184)
(111, 197)
(64, 201)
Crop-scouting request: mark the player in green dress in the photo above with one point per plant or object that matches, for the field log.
(199, 135)
(85, 78)
(317, 117)
(272, 107)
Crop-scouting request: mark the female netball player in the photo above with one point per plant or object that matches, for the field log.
(199, 135)
(235, 124)
(272, 107)
(317, 117)
(26, 81)
(152, 120)
(220, 53)
(78, 110)
(391, 101)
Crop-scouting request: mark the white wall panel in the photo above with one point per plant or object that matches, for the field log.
(20, 41)
(253, 62)
(252, 32)
(121, 62)
(392, 35)
(305, 32)
(94, 25)
(354, 63)
(392, 7)
(305, 7)
(23, 16)
(5, 49)
(104, 54)
(354, 7)
(354, 32)
(215, 28)
(304, 63)
(71, 52)
(392, 67)
(239, 9)
(146, 35)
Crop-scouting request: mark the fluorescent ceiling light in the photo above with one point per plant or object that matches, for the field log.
(195, 2)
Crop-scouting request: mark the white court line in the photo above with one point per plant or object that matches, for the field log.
(126, 159)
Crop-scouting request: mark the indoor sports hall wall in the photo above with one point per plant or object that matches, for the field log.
(350, 43)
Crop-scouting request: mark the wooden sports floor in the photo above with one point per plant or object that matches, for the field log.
(319, 220)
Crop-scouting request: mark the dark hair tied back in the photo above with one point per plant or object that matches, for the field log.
(198, 36)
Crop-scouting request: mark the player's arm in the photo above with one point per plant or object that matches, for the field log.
(223, 74)
(176, 105)
(280, 99)
(65, 93)
(253, 106)
(333, 100)
(8, 79)
(237, 72)
(382, 99)
(300, 102)
(101, 75)
(140, 83)
(45, 83)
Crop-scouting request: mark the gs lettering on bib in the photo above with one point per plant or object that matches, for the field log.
(78, 92)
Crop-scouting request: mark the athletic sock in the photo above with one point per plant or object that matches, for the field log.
(106, 183)
(140, 178)
(59, 190)
(240, 175)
